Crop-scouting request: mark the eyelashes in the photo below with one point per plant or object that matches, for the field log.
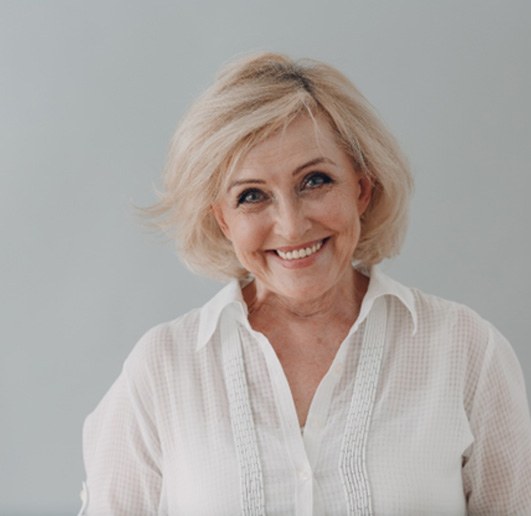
(251, 196)
(310, 182)
(316, 179)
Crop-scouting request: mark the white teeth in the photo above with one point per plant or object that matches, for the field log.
(300, 253)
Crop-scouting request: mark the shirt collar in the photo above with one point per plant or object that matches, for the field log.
(382, 285)
(231, 295)
(210, 313)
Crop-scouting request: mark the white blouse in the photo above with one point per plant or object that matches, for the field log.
(422, 412)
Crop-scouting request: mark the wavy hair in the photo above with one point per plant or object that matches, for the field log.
(251, 99)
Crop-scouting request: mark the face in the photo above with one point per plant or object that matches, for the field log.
(292, 211)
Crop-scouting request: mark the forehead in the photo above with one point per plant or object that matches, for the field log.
(305, 138)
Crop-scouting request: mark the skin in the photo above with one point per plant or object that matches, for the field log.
(297, 190)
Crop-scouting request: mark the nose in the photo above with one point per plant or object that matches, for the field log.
(291, 220)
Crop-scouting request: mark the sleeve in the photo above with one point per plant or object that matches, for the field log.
(122, 452)
(497, 466)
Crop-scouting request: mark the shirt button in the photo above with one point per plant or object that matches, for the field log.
(305, 474)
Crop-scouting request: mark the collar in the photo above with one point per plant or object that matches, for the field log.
(231, 295)
(382, 285)
(210, 314)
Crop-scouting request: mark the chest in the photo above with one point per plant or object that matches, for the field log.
(358, 442)
(305, 359)
(304, 375)
(409, 466)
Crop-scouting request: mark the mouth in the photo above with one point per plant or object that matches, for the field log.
(301, 252)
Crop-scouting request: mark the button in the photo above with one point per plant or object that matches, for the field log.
(305, 474)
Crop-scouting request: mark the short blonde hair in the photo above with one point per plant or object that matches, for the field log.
(250, 99)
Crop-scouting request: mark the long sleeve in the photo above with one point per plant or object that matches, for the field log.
(450, 429)
(122, 453)
(497, 466)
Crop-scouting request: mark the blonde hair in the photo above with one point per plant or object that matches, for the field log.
(250, 99)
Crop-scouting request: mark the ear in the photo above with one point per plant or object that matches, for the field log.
(365, 188)
(217, 211)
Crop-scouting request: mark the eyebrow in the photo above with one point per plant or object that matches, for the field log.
(298, 170)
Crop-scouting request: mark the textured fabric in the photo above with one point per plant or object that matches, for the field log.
(353, 458)
(251, 483)
(422, 412)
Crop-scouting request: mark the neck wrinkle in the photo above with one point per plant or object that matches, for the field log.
(344, 303)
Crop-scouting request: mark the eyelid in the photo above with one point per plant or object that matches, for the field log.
(319, 174)
(240, 196)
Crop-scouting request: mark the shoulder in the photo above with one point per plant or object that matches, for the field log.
(456, 343)
(467, 342)
(164, 345)
(436, 314)
(434, 318)
(157, 364)
(179, 332)
(171, 351)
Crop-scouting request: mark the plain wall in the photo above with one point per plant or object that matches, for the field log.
(90, 95)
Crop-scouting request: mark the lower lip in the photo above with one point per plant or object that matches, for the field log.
(300, 263)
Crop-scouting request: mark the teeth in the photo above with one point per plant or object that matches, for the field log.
(300, 253)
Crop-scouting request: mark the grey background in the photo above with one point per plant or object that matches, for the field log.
(90, 95)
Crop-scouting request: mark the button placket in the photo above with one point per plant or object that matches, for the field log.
(290, 428)
(320, 405)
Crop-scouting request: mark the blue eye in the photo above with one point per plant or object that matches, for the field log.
(251, 196)
(316, 179)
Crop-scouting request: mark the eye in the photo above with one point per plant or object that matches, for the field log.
(316, 179)
(251, 196)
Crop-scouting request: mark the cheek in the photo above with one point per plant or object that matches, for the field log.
(341, 217)
(248, 235)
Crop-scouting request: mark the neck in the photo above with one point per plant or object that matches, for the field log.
(343, 301)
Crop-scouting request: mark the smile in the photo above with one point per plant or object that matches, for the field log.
(303, 252)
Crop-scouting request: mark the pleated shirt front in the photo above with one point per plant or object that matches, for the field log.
(423, 411)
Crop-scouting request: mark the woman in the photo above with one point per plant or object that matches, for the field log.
(312, 383)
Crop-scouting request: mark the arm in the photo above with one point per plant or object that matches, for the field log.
(497, 466)
(122, 453)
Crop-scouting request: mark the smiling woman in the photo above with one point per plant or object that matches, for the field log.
(251, 101)
(292, 214)
(312, 383)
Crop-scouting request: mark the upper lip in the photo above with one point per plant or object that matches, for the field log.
(297, 247)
